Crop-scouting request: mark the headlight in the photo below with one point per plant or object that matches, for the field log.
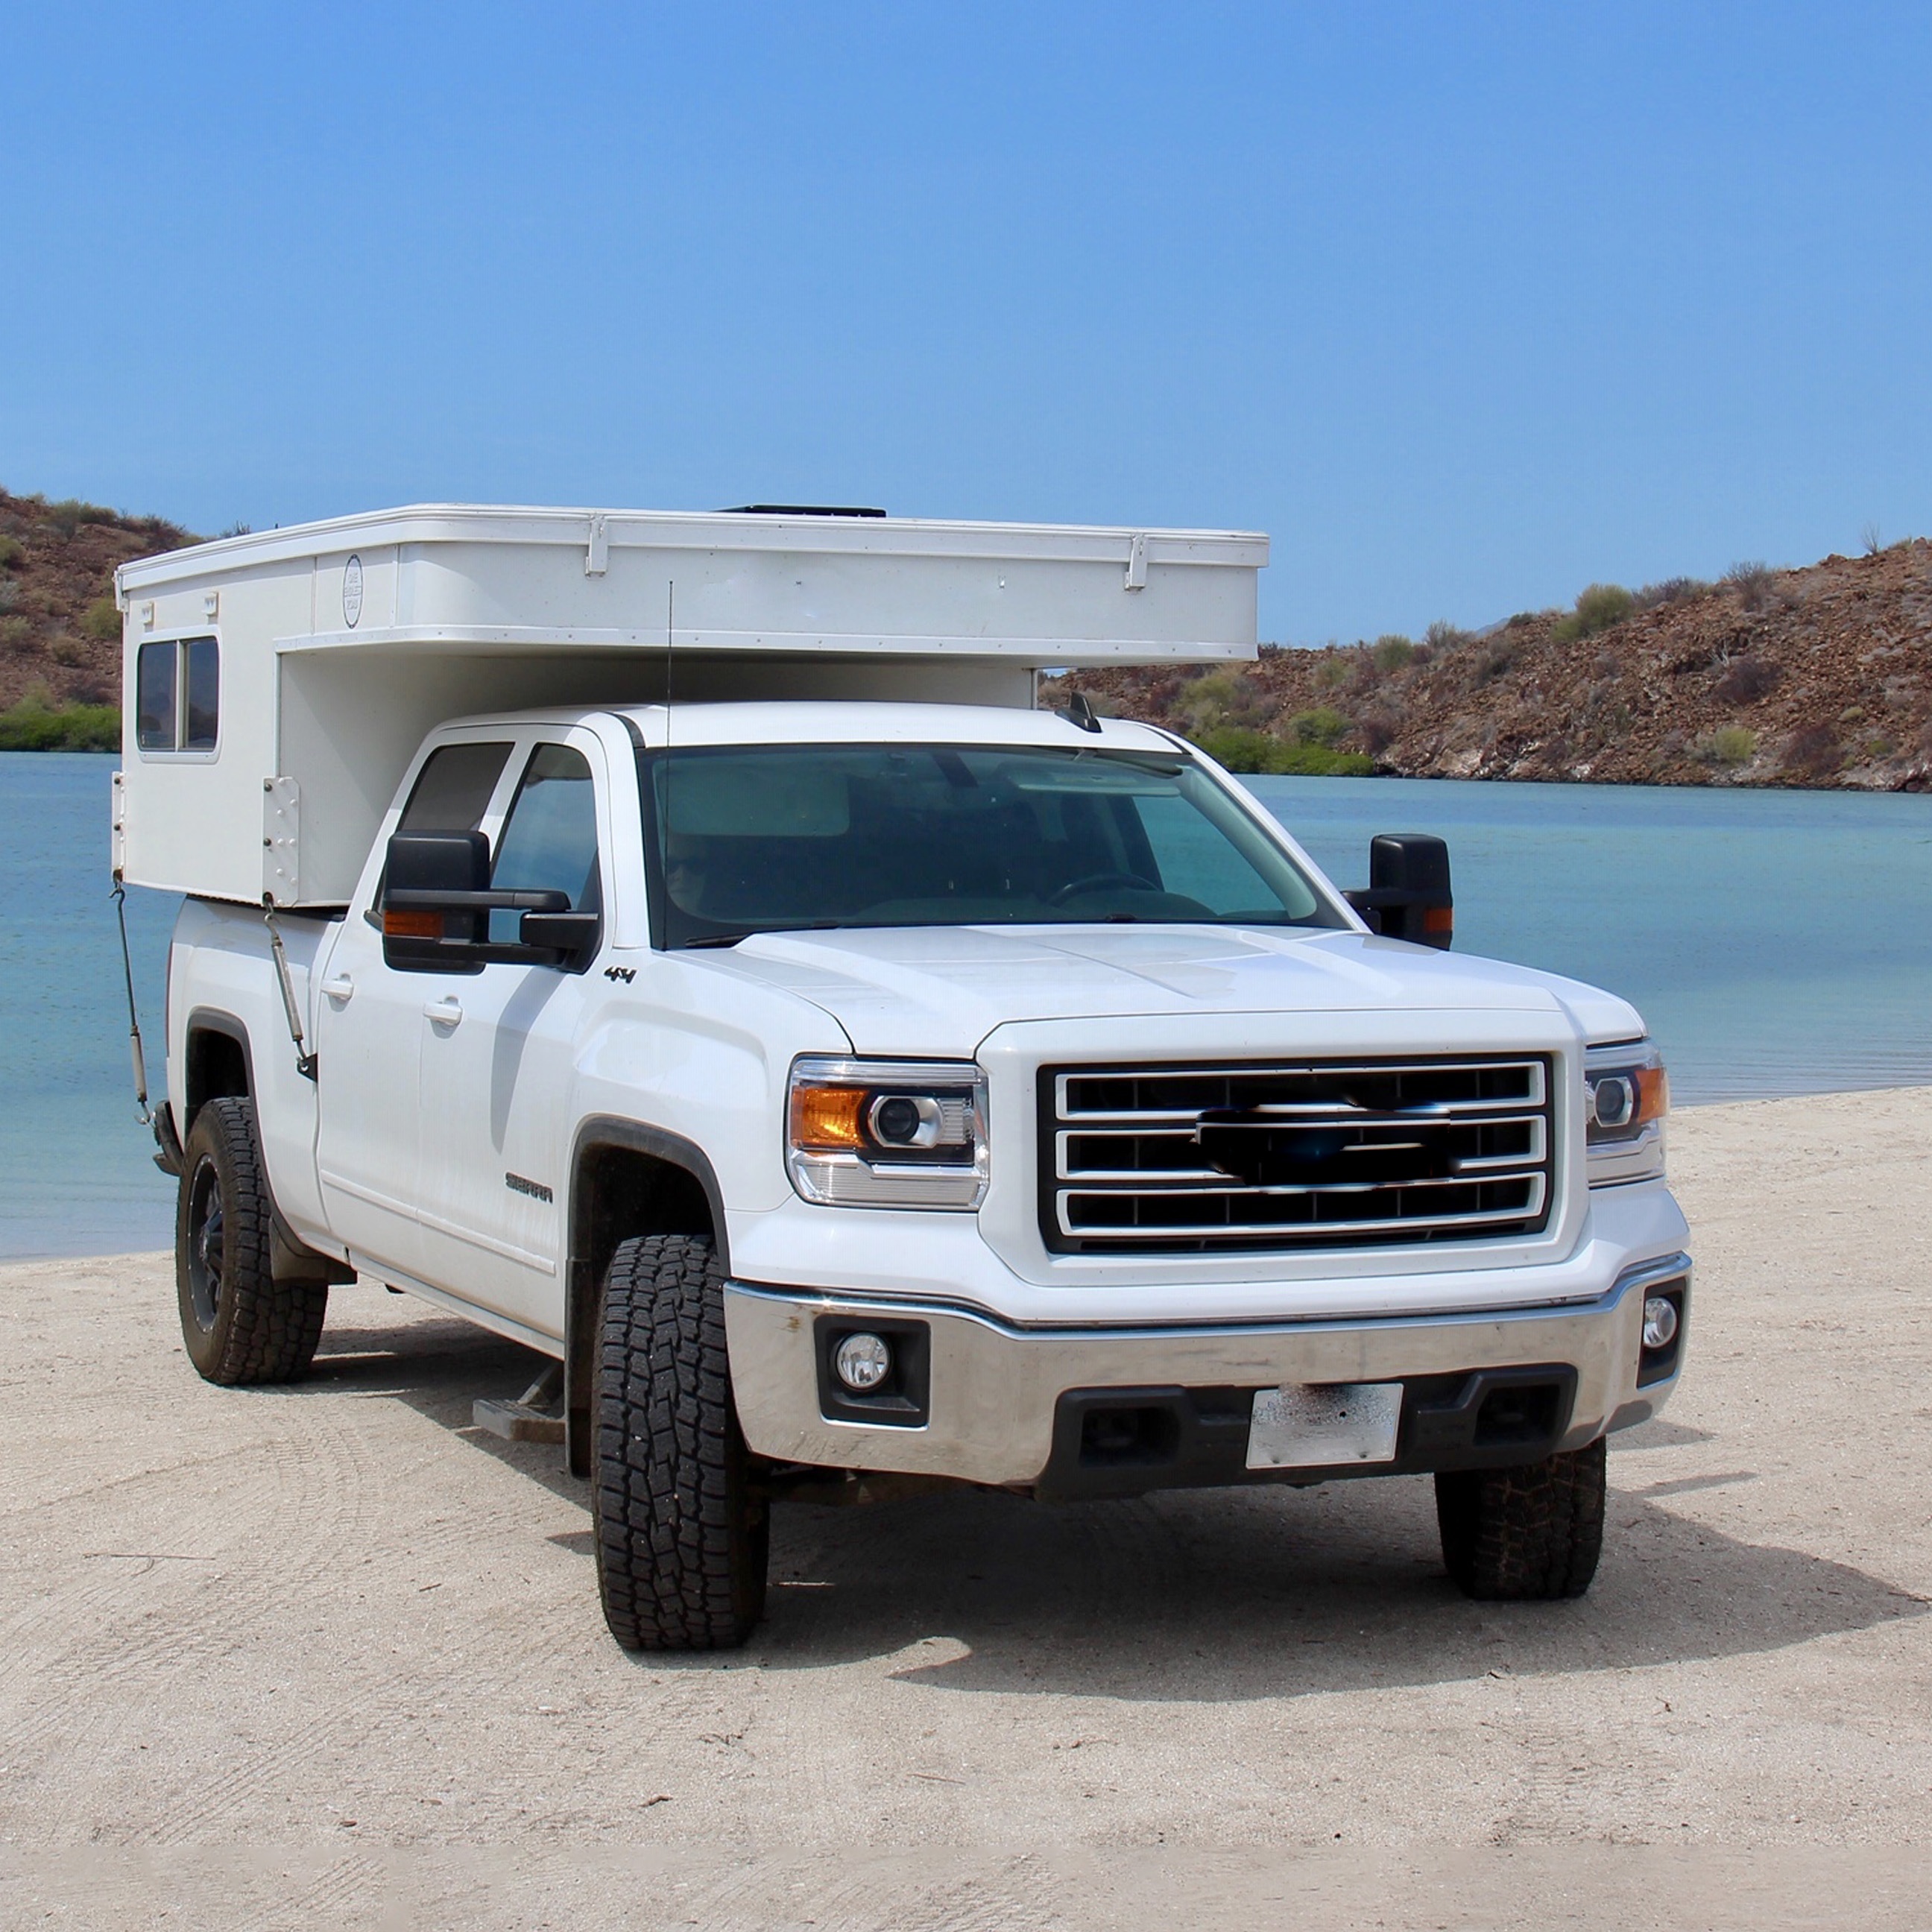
(1626, 1096)
(887, 1133)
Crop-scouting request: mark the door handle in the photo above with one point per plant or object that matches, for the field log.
(341, 988)
(445, 1012)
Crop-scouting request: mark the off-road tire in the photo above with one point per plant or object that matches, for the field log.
(681, 1533)
(239, 1324)
(1524, 1535)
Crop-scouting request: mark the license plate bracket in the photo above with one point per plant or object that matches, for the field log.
(1309, 1426)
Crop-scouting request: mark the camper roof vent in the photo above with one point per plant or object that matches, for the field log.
(798, 510)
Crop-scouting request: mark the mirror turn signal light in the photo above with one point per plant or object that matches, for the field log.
(411, 924)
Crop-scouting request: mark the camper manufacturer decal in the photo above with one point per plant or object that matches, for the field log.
(535, 1189)
(352, 592)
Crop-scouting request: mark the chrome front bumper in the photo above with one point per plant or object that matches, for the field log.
(995, 1389)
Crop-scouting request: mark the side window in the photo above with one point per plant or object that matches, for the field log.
(452, 790)
(177, 695)
(549, 841)
(452, 793)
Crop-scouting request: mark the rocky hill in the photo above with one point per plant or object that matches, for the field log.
(1820, 677)
(60, 637)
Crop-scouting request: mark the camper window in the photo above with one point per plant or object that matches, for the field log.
(154, 696)
(177, 695)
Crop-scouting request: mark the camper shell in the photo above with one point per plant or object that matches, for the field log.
(277, 684)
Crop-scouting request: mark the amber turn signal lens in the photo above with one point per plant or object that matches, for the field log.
(827, 1120)
(412, 925)
(1653, 1094)
(1438, 919)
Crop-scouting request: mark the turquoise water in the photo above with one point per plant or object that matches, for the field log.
(1777, 943)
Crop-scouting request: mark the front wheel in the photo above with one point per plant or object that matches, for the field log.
(1523, 1535)
(681, 1535)
(239, 1324)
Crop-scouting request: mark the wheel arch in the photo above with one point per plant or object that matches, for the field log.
(626, 1178)
(220, 1061)
(220, 1064)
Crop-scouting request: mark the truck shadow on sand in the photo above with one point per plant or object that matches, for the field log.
(1199, 1594)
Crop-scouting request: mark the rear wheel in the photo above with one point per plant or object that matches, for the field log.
(682, 1534)
(239, 1324)
(1524, 1534)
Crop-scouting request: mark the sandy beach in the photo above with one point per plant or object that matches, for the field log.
(327, 1655)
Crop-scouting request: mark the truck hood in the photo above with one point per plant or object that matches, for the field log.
(934, 991)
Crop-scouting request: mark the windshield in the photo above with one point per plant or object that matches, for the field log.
(778, 838)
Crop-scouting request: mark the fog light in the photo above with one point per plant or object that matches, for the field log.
(1660, 1321)
(864, 1361)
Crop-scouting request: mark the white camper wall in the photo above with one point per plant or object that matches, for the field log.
(192, 821)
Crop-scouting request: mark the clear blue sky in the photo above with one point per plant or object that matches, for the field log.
(1466, 305)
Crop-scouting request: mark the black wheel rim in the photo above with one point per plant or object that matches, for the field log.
(206, 1255)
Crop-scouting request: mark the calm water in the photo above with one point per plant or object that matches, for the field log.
(1777, 943)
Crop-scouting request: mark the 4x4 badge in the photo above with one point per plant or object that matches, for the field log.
(626, 973)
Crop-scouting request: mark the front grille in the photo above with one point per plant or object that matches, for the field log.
(1361, 1153)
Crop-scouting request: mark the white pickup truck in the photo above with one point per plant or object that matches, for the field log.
(857, 1095)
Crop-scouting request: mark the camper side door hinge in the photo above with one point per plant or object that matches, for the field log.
(597, 557)
(1137, 564)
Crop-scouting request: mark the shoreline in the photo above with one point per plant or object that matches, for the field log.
(1915, 783)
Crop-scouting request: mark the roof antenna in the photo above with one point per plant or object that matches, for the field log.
(1078, 712)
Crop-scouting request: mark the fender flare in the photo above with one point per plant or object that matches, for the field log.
(581, 1287)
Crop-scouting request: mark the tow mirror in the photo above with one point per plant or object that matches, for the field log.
(1409, 896)
(437, 903)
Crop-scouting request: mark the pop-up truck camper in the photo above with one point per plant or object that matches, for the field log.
(697, 948)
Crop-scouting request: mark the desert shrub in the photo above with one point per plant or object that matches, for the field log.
(1872, 538)
(1751, 581)
(1498, 656)
(68, 651)
(1443, 636)
(1320, 727)
(15, 633)
(13, 552)
(1333, 670)
(9, 594)
(1746, 680)
(102, 622)
(1672, 590)
(1245, 751)
(1598, 607)
(1730, 745)
(69, 513)
(1217, 698)
(1813, 750)
(1377, 731)
(34, 725)
(1392, 650)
